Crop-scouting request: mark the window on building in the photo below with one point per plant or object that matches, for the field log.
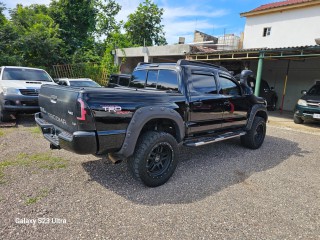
(266, 31)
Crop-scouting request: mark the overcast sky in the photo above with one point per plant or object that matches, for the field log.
(182, 17)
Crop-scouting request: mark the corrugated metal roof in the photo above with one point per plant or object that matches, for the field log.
(205, 50)
(279, 4)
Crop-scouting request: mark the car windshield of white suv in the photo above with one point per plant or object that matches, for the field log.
(315, 90)
(25, 74)
(84, 84)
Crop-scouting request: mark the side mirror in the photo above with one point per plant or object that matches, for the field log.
(304, 92)
(245, 74)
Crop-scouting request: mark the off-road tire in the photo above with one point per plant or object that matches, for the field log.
(255, 136)
(297, 120)
(155, 158)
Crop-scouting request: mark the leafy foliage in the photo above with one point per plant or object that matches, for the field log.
(75, 32)
(144, 25)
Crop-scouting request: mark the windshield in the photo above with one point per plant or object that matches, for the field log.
(25, 74)
(84, 84)
(315, 90)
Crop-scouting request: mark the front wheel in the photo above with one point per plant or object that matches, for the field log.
(297, 120)
(5, 116)
(155, 158)
(255, 136)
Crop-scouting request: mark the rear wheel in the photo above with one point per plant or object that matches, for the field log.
(255, 136)
(297, 120)
(155, 158)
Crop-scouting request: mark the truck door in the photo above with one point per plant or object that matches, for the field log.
(235, 106)
(205, 104)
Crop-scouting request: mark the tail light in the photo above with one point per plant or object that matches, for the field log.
(83, 111)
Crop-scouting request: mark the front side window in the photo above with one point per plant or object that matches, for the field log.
(315, 90)
(229, 87)
(204, 83)
(266, 31)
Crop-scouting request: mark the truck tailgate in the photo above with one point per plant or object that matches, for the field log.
(58, 106)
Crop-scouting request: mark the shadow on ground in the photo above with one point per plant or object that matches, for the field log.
(26, 120)
(201, 172)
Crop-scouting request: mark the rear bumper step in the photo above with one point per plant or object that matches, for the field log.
(80, 142)
(207, 140)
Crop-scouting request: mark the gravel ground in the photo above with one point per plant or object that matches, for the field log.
(219, 191)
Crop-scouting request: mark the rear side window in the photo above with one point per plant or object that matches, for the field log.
(138, 79)
(152, 78)
(167, 80)
(158, 79)
(229, 87)
(204, 83)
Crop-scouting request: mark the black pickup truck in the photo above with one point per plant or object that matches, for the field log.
(166, 105)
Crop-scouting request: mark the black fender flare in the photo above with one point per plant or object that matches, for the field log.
(256, 109)
(138, 121)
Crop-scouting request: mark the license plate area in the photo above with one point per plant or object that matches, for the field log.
(316, 115)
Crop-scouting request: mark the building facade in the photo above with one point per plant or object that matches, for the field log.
(282, 24)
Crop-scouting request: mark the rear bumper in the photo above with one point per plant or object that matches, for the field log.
(80, 142)
(307, 112)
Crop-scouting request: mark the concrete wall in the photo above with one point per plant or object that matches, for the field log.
(302, 75)
(298, 27)
(168, 50)
(168, 53)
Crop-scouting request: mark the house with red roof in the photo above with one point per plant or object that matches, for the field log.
(280, 24)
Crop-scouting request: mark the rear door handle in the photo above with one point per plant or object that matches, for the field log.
(53, 99)
(197, 103)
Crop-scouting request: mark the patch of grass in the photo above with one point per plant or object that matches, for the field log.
(39, 160)
(42, 194)
(35, 130)
(2, 133)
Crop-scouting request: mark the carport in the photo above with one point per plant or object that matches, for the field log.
(292, 68)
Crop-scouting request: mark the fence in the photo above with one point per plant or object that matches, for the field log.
(93, 71)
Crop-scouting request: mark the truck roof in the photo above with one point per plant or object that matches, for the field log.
(181, 62)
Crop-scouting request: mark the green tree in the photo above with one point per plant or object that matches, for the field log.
(144, 25)
(2, 16)
(38, 42)
(8, 37)
(81, 21)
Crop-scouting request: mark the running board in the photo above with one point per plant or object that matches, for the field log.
(208, 140)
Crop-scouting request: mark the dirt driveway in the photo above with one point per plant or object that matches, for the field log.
(219, 191)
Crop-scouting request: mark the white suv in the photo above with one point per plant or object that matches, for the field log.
(19, 90)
